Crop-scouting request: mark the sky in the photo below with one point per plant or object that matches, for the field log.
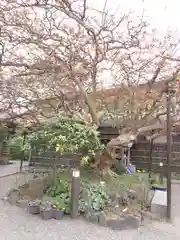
(164, 14)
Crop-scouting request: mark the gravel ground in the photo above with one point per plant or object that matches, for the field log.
(11, 168)
(17, 224)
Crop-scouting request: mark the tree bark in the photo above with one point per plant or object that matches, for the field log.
(92, 108)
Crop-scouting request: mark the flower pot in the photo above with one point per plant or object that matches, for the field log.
(34, 209)
(159, 188)
(46, 214)
(53, 213)
(57, 214)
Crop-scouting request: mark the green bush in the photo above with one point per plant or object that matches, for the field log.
(61, 135)
(65, 135)
(92, 198)
(58, 188)
(17, 149)
(60, 191)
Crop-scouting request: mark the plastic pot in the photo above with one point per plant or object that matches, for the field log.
(46, 214)
(34, 209)
(159, 188)
(57, 214)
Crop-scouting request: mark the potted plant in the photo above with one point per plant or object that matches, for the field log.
(34, 206)
(58, 209)
(46, 210)
(156, 186)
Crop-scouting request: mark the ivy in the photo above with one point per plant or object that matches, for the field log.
(94, 198)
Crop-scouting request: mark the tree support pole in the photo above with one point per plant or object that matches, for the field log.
(169, 142)
(75, 192)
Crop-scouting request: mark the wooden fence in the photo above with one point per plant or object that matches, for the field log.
(140, 154)
(106, 133)
(49, 159)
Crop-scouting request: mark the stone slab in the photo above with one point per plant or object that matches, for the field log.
(148, 217)
(124, 223)
(159, 203)
(102, 219)
(23, 203)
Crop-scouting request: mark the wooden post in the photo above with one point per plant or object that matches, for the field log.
(75, 191)
(8, 148)
(122, 157)
(150, 158)
(30, 155)
(23, 155)
(128, 156)
(169, 155)
(1, 147)
(161, 173)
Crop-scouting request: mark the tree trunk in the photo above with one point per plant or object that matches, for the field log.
(90, 103)
(79, 70)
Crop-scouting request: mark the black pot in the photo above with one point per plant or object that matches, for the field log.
(159, 188)
(34, 209)
(57, 214)
(46, 214)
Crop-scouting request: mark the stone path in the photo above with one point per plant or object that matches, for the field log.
(17, 224)
(11, 168)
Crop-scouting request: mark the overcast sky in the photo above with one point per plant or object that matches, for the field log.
(163, 13)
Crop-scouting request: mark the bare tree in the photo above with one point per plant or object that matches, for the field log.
(56, 52)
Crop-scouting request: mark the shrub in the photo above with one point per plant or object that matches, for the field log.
(66, 135)
(61, 135)
(93, 198)
(18, 150)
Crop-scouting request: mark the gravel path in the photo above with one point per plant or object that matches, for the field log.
(17, 224)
